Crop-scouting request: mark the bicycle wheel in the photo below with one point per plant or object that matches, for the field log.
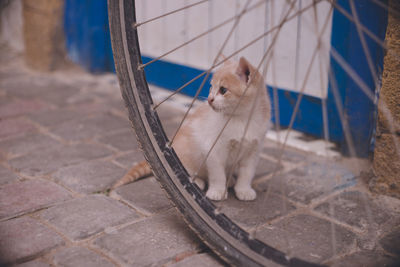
(226, 238)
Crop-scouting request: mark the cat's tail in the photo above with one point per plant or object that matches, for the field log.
(140, 170)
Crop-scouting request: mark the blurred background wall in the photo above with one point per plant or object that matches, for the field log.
(56, 31)
(49, 33)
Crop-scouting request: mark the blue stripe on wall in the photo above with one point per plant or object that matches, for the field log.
(87, 34)
(359, 110)
(171, 76)
(88, 44)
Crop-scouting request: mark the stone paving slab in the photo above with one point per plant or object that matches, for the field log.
(199, 260)
(15, 107)
(24, 238)
(50, 159)
(89, 176)
(28, 143)
(7, 176)
(123, 141)
(50, 90)
(14, 127)
(154, 241)
(145, 195)
(55, 116)
(128, 160)
(249, 214)
(362, 209)
(308, 237)
(79, 256)
(90, 108)
(308, 182)
(367, 259)
(290, 155)
(90, 127)
(22, 197)
(88, 216)
(35, 263)
(266, 167)
(70, 128)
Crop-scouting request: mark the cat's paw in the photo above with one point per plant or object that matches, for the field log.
(217, 194)
(245, 194)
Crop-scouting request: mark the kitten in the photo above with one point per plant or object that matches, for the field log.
(204, 124)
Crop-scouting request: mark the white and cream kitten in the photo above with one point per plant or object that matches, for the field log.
(232, 83)
(198, 134)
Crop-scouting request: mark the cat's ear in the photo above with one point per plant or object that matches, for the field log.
(244, 70)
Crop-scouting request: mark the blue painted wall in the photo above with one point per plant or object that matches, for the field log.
(88, 44)
(87, 34)
(359, 110)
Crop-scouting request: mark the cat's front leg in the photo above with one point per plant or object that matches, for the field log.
(246, 172)
(216, 180)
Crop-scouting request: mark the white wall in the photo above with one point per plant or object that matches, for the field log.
(160, 36)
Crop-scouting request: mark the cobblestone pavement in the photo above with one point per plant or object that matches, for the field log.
(65, 138)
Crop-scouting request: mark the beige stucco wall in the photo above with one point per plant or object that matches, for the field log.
(387, 153)
(43, 33)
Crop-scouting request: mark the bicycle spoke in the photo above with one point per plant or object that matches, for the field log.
(239, 50)
(364, 29)
(271, 48)
(349, 140)
(240, 99)
(364, 43)
(179, 89)
(186, 31)
(169, 13)
(293, 116)
(298, 38)
(209, 71)
(370, 65)
(230, 173)
(325, 124)
(391, 10)
(274, 88)
(142, 66)
(294, 56)
(322, 67)
(367, 91)
(301, 92)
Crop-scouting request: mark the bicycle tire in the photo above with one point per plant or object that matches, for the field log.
(224, 237)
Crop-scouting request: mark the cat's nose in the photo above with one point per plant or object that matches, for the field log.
(210, 99)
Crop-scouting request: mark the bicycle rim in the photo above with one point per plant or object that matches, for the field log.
(226, 238)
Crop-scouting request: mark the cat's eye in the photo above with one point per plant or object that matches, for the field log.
(222, 90)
